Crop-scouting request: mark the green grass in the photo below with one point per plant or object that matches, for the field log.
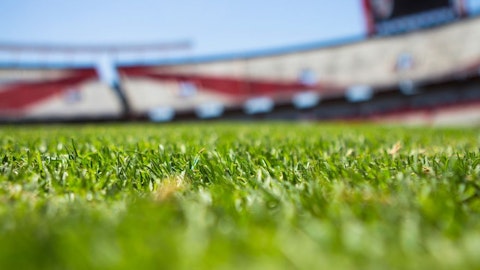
(246, 196)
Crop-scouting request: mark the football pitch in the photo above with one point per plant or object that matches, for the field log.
(239, 196)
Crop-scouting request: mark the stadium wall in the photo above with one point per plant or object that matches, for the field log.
(43, 94)
(381, 63)
(251, 83)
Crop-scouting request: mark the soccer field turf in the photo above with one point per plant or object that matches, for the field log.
(245, 196)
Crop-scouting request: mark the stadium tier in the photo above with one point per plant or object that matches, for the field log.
(378, 63)
(43, 94)
(384, 75)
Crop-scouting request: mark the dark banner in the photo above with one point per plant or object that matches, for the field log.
(386, 17)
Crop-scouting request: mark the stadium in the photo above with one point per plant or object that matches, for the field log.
(358, 153)
(410, 67)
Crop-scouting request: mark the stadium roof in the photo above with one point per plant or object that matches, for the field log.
(100, 49)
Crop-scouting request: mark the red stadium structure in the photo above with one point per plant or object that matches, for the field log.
(420, 63)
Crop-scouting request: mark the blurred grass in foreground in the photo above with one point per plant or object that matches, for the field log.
(247, 196)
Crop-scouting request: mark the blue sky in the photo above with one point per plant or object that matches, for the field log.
(213, 26)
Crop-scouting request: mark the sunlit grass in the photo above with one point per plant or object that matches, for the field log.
(246, 196)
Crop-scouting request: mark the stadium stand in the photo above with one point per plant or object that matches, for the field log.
(435, 55)
(382, 75)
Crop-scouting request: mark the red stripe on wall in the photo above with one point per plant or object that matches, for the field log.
(21, 95)
(225, 85)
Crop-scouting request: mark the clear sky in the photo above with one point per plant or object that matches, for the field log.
(213, 26)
